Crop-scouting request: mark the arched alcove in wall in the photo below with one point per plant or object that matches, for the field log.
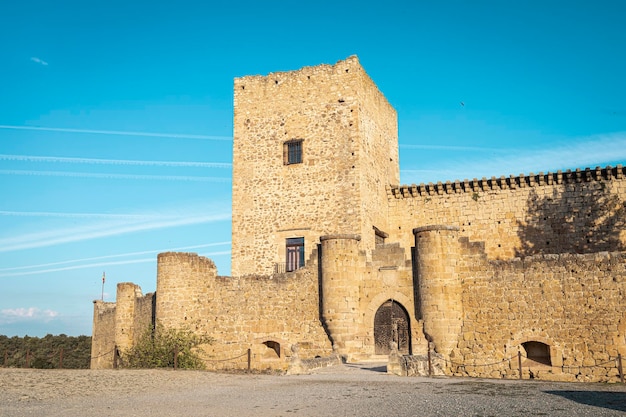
(537, 353)
(273, 349)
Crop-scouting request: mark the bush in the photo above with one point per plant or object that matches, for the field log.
(157, 347)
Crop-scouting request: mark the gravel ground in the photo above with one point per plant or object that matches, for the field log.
(343, 390)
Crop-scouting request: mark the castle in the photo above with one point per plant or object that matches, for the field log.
(332, 256)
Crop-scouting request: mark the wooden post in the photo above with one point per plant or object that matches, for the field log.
(249, 358)
(115, 358)
(175, 357)
(620, 369)
(28, 358)
(519, 362)
(6, 358)
(430, 362)
(61, 359)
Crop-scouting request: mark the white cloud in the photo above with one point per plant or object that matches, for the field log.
(39, 61)
(13, 315)
(577, 153)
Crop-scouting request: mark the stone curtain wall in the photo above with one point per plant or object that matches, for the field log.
(573, 303)
(144, 315)
(103, 335)
(570, 212)
(119, 324)
(242, 313)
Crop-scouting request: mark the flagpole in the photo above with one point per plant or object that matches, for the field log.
(103, 278)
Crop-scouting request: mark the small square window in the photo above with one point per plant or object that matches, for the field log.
(292, 152)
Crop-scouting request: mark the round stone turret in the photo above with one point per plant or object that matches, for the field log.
(184, 281)
(437, 252)
(340, 291)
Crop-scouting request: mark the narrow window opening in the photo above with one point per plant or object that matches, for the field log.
(295, 254)
(292, 152)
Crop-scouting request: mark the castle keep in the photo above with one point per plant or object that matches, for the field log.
(332, 256)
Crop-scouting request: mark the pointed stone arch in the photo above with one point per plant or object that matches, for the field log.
(392, 323)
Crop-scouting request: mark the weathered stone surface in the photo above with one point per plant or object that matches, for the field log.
(482, 269)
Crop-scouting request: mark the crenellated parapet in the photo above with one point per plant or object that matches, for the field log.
(512, 182)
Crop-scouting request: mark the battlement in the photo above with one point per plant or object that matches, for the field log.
(512, 182)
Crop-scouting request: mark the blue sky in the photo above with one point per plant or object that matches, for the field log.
(116, 118)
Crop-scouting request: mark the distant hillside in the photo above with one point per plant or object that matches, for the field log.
(49, 352)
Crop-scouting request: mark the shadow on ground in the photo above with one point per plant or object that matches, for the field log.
(372, 368)
(604, 399)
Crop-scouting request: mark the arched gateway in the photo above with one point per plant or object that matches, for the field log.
(391, 324)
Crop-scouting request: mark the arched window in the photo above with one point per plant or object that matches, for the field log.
(537, 353)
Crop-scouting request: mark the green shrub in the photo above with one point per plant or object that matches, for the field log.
(157, 347)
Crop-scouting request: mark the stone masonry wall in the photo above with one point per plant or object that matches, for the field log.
(120, 324)
(144, 315)
(349, 135)
(575, 304)
(242, 313)
(355, 285)
(103, 335)
(378, 164)
(565, 212)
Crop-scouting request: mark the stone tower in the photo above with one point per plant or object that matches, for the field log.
(440, 289)
(313, 152)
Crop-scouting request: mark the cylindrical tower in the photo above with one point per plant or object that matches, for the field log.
(125, 301)
(437, 253)
(183, 283)
(340, 291)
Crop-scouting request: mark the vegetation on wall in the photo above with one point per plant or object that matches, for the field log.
(164, 348)
(48, 352)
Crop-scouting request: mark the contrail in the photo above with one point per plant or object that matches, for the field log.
(65, 235)
(119, 133)
(142, 217)
(98, 264)
(453, 148)
(57, 159)
(111, 176)
(119, 255)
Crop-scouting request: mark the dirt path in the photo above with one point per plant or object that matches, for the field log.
(345, 390)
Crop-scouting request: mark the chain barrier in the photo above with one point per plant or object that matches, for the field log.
(223, 360)
(463, 365)
(100, 356)
(615, 362)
